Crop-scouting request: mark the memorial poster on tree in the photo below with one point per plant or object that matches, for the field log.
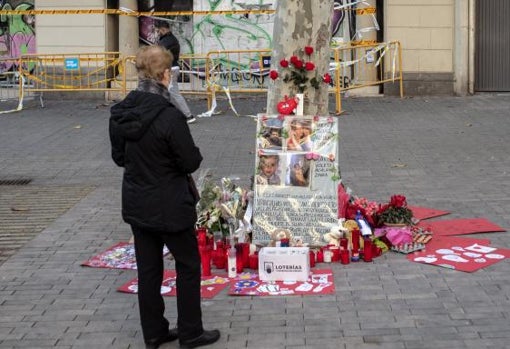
(296, 177)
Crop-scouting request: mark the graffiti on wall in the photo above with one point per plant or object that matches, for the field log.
(17, 33)
(200, 34)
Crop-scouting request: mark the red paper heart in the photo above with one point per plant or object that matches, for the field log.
(286, 106)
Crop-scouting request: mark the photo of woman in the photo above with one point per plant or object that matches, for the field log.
(300, 135)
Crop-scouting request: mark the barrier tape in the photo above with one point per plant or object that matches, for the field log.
(20, 101)
(129, 12)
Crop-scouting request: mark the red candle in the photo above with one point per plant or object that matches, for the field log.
(367, 249)
(344, 256)
(202, 236)
(205, 259)
(246, 254)
(312, 258)
(355, 240)
(320, 256)
(254, 261)
(239, 258)
(343, 243)
(336, 254)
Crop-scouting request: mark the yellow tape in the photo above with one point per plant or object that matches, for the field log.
(365, 11)
(131, 13)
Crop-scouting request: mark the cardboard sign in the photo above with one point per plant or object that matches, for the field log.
(284, 264)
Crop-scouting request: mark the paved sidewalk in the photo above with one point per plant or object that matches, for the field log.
(449, 153)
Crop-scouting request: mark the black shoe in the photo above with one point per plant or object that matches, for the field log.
(206, 338)
(190, 119)
(154, 343)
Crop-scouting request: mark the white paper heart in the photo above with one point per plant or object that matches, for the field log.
(425, 259)
(455, 258)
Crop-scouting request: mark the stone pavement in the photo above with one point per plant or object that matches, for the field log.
(450, 153)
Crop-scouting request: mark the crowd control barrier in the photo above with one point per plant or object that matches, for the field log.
(364, 65)
(92, 72)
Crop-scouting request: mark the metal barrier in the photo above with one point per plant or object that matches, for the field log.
(236, 71)
(93, 72)
(359, 66)
(192, 79)
(12, 86)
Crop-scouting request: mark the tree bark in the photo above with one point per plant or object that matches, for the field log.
(128, 35)
(300, 23)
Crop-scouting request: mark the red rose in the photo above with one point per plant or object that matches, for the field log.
(326, 78)
(298, 64)
(284, 63)
(398, 201)
(308, 50)
(294, 59)
(273, 74)
(309, 66)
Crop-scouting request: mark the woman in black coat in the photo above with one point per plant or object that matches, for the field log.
(152, 141)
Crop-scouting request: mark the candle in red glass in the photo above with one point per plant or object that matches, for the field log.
(355, 240)
(343, 243)
(312, 258)
(202, 236)
(254, 261)
(246, 254)
(376, 250)
(367, 249)
(239, 258)
(205, 258)
(320, 256)
(336, 254)
(344, 256)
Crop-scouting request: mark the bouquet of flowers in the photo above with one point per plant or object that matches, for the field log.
(222, 207)
(300, 72)
(395, 212)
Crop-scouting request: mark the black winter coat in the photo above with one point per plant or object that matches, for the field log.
(170, 42)
(152, 141)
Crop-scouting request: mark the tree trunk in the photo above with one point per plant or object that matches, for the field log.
(300, 23)
(128, 35)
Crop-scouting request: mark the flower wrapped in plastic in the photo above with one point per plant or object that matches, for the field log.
(223, 208)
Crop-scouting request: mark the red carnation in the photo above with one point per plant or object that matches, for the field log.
(298, 64)
(326, 78)
(294, 59)
(273, 74)
(284, 63)
(309, 66)
(398, 201)
(308, 50)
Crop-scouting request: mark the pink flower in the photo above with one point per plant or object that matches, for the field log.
(326, 78)
(308, 50)
(284, 63)
(273, 74)
(309, 66)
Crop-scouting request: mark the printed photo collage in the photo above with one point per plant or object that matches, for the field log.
(287, 150)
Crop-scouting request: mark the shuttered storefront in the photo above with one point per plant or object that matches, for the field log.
(492, 50)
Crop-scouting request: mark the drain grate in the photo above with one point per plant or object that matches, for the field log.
(16, 181)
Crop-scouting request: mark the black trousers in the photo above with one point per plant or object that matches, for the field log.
(149, 261)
